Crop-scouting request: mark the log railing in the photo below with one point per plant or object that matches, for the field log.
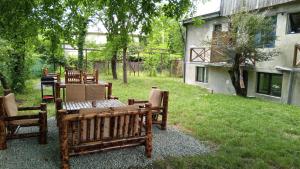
(200, 55)
(296, 61)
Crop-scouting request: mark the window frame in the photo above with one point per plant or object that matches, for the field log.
(270, 76)
(204, 74)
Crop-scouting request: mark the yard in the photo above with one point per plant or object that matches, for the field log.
(243, 133)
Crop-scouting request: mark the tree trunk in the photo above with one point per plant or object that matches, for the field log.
(125, 65)
(81, 42)
(114, 66)
(3, 81)
(238, 77)
(17, 67)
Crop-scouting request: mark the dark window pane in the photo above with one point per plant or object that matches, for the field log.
(264, 82)
(218, 28)
(294, 23)
(201, 74)
(263, 40)
(276, 85)
(269, 84)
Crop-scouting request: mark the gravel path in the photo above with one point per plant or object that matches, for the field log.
(28, 154)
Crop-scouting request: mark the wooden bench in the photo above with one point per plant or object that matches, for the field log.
(95, 130)
(60, 91)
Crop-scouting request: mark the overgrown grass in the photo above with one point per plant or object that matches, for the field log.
(247, 133)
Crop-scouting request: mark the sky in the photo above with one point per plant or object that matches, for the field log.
(208, 7)
(202, 8)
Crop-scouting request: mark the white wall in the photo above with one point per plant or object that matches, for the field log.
(218, 77)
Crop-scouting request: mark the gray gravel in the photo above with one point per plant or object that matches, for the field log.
(27, 153)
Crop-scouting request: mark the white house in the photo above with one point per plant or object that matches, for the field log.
(277, 79)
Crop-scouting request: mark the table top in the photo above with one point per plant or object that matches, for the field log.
(75, 106)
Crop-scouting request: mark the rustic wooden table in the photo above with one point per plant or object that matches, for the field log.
(74, 107)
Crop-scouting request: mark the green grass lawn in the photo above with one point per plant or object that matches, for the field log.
(244, 133)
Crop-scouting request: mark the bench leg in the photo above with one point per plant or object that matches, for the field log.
(43, 128)
(3, 145)
(164, 122)
(64, 150)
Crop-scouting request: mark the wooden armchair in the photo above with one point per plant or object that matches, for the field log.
(96, 130)
(10, 122)
(159, 100)
(73, 76)
(91, 77)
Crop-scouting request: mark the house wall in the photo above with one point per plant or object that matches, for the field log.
(229, 7)
(218, 77)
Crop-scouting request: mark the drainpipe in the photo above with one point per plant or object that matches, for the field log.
(292, 72)
(290, 87)
(184, 57)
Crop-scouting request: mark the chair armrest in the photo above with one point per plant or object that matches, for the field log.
(23, 117)
(29, 108)
(42, 107)
(138, 101)
(157, 108)
(113, 97)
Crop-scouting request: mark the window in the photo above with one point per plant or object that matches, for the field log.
(218, 28)
(262, 40)
(201, 74)
(294, 23)
(269, 84)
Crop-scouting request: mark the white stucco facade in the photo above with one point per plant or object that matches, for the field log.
(218, 77)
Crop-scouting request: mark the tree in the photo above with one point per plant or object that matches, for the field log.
(124, 17)
(78, 16)
(51, 14)
(5, 49)
(18, 26)
(247, 32)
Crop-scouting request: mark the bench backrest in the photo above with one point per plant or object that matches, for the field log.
(82, 92)
(95, 129)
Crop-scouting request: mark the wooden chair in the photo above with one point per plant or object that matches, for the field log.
(159, 100)
(10, 122)
(91, 77)
(97, 130)
(73, 76)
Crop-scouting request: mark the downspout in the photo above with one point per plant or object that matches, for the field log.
(184, 57)
(292, 72)
(290, 87)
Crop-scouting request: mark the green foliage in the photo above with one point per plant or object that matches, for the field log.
(244, 29)
(79, 14)
(19, 25)
(166, 34)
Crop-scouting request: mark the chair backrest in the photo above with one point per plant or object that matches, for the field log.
(75, 92)
(73, 76)
(9, 105)
(155, 97)
(91, 78)
(102, 128)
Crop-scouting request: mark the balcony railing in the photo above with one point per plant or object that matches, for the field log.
(200, 55)
(296, 62)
